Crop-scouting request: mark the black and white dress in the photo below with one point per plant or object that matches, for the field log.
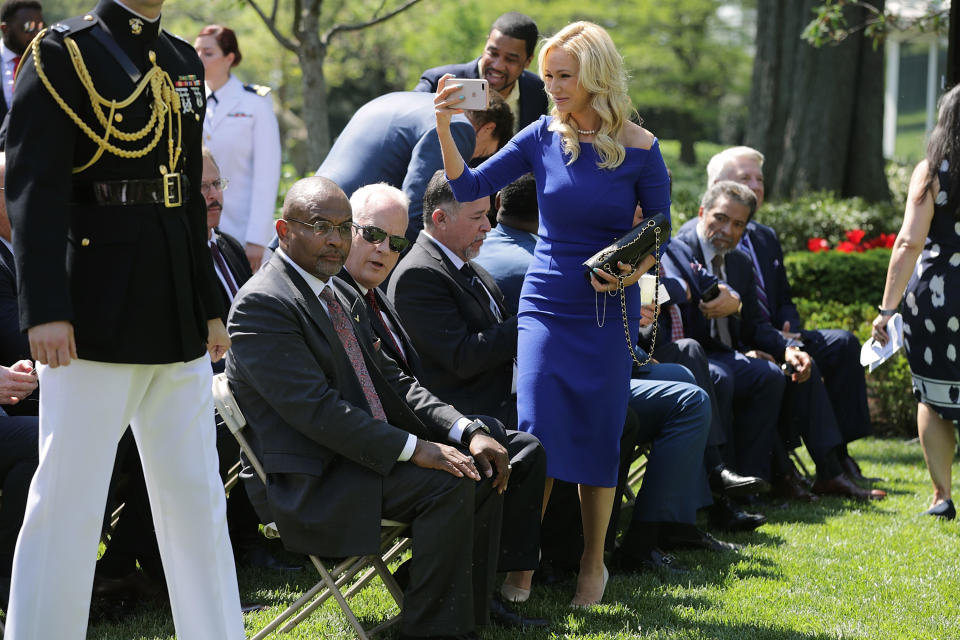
(931, 310)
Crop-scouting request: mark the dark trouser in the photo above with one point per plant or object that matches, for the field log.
(837, 353)
(757, 394)
(690, 354)
(807, 412)
(18, 461)
(520, 534)
(455, 527)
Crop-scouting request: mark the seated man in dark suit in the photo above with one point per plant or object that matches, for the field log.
(18, 460)
(379, 215)
(749, 346)
(393, 139)
(503, 63)
(346, 438)
(454, 311)
(836, 352)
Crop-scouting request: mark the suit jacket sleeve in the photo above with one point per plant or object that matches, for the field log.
(269, 351)
(38, 184)
(786, 310)
(427, 158)
(429, 310)
(427, 83)
(755, 332)
(14, 344)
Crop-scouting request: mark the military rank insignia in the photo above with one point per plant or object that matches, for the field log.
(190, 90)
(136, 26)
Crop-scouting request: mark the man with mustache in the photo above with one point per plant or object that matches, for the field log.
(347, 438)
(454, 310)
(750, 349)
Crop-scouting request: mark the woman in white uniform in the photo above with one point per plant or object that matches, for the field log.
(241, 131)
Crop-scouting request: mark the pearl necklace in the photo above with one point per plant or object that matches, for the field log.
(587, 132)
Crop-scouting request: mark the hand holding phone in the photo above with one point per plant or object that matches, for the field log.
(474, 92)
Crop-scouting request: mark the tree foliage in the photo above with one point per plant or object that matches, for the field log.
(831, 24)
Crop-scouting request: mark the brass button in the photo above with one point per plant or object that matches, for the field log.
(163, 169)
(85, 242)
(88, 17)
(118, 117)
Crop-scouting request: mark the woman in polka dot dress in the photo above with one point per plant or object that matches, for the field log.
(931, 306)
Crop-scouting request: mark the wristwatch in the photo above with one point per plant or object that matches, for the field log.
(886, 313)
(471, 429)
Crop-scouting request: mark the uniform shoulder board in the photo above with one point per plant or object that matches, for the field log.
(76, 24)
(258, 89)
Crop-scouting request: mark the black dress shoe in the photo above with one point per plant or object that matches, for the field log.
(852, 471)
(503, 616)
(261, 558)
(723, 481)
(843, 486)
(943, 510)
(646, 561)
(132, 587)
(792, 487)
(689, 537)
(727, 516)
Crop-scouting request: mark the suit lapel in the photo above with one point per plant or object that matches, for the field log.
(492, 287)
(463, 281)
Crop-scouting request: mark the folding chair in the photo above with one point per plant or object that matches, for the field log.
(346, 571)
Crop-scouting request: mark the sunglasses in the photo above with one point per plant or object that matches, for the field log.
(376, 235)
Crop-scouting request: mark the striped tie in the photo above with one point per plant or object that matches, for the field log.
(345, 331)
(758, 279)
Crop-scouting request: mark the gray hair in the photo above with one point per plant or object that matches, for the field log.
(720, 161)
(378, 191)
(735, 191)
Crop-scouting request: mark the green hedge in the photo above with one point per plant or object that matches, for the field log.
(832, 276)
(892, 405)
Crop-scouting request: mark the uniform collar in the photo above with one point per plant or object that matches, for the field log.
(127, 26)
(6, 54)
(230, 88)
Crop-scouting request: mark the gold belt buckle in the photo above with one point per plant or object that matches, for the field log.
(171, 190)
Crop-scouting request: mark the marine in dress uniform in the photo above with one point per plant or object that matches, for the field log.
(103, 188)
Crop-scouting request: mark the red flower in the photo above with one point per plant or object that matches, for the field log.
(847, 247)
(855, 235)
(817, 244)
(887, 240)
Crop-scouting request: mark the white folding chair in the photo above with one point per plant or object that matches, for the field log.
(356, 571)
(638, 468)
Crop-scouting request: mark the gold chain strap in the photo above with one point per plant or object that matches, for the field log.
(166, 102)
(656, 302)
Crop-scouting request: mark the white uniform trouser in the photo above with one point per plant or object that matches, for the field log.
(84, 409)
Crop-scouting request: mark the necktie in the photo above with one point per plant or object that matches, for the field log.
(16, 68)
(721, 325)
(676, 321)
(345, 332)
(761, 294)
(477, 285)
(371, 298)
(224, 271)
(213, 97)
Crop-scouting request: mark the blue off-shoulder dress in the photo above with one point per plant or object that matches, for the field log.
(573, 379)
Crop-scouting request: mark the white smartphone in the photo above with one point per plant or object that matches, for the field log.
(474, 92)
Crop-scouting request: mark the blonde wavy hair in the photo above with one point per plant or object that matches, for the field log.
(603, 75)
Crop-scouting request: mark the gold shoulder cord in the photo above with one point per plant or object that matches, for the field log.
(166, 102)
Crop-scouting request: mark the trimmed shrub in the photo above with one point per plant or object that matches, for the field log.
(893, 408)
(821, 215)
(835, 277)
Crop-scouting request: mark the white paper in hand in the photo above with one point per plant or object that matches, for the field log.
(872, 355)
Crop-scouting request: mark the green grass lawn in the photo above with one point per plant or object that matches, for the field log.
(835, 569)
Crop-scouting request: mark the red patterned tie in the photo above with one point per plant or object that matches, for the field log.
(342, 325)
(676, 321)
(375, 309)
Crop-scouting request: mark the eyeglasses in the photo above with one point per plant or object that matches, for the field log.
(33, 26)
(376, 235)
(219, 185)
(323, 227)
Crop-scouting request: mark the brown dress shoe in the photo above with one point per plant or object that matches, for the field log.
(792, 487)
(842, 486)
(852, 471)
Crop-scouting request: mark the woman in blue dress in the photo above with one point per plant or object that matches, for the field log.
(592, 167)
(931, 306)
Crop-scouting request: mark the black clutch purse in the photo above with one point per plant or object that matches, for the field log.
(630, 248)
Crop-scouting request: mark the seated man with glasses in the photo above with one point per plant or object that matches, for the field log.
(20, 21)
(379, 222)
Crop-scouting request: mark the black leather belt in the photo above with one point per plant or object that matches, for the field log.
(171, 190)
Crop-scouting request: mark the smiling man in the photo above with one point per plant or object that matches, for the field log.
(506, 56)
